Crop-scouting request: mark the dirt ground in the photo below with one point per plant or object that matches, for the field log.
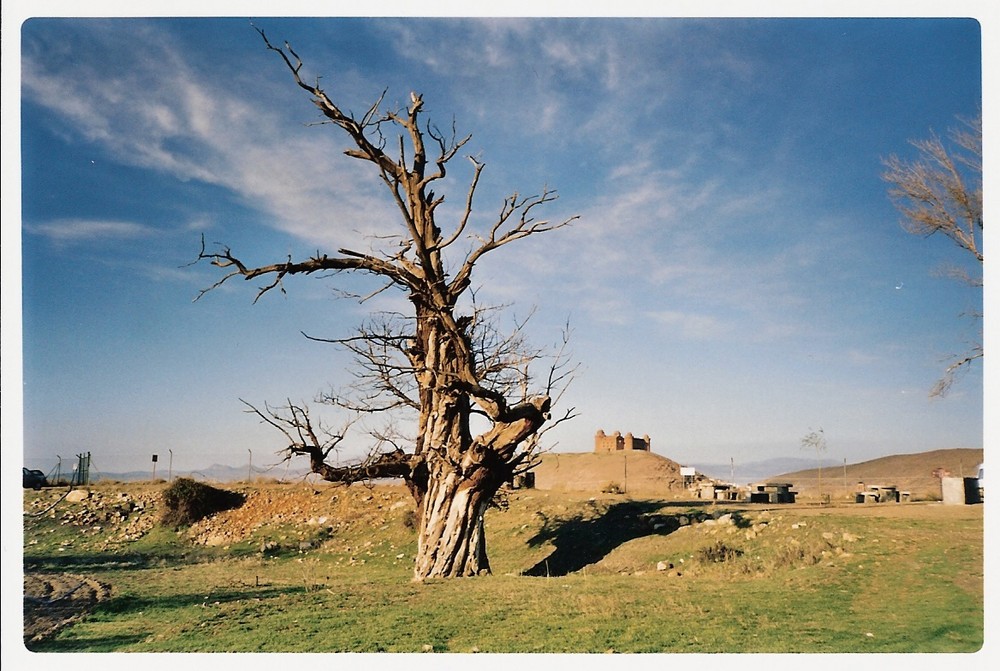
(52, 601)
(301, 509)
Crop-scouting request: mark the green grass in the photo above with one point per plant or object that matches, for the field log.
(899, 584)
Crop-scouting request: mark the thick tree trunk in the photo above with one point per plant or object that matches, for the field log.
(450, 541)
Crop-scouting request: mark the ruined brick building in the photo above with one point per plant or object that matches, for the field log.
(617, 442)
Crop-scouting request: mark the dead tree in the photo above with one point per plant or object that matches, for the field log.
(941, 193)
(442, 365)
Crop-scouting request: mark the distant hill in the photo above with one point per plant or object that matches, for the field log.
(910, 472)
(633, 471)
(755, 471)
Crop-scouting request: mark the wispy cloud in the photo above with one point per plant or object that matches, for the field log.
(189, 121)
(66, 231)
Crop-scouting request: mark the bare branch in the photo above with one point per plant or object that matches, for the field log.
(521, 210)
(942, 192)
(350, 260)
(477, 171)
(943, 386)
(933, 192)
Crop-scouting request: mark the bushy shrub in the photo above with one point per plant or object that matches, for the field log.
(718, 553)
(187, 501)
(410, 519)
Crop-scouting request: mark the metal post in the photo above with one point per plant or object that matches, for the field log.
(170, 466)
(250, 467)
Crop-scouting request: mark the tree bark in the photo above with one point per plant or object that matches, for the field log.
(450, 540)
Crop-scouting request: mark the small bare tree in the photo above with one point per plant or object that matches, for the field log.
(816, 440)
(941, 192)
(445, 362)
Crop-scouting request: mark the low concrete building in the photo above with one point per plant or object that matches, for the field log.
(960, 491)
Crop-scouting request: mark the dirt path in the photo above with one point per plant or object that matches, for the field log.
(52, 601)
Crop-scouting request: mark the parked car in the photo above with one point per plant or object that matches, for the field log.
(981, 476)
(33, 479)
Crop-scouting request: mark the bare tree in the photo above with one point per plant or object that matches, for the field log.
(443, 366)
(941, 192)
(816, 440)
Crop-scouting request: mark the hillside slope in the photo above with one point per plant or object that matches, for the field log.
(633, 471)
(909, 472)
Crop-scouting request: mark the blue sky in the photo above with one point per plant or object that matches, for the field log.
(737, 276)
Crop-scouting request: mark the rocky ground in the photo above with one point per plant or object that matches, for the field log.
(108, 517)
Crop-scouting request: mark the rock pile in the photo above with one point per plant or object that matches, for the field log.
(117, 517)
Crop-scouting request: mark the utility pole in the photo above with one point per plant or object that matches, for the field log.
(170, 466)
(625, 461)
(846, 492)
(250, 467)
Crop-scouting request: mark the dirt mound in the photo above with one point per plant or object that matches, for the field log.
(52, 601)
(302, 511)
(631, 471)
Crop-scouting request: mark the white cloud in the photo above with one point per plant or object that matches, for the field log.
(87, 230)
(184, 119)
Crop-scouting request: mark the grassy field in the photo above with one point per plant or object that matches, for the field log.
(572, 574)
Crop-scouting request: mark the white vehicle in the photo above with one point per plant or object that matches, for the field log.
(982, 480)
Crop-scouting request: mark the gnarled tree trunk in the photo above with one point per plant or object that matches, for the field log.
(450, 540)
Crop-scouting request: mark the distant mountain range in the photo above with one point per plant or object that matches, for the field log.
(213, 473)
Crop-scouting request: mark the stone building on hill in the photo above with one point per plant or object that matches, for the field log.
(616, 442)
